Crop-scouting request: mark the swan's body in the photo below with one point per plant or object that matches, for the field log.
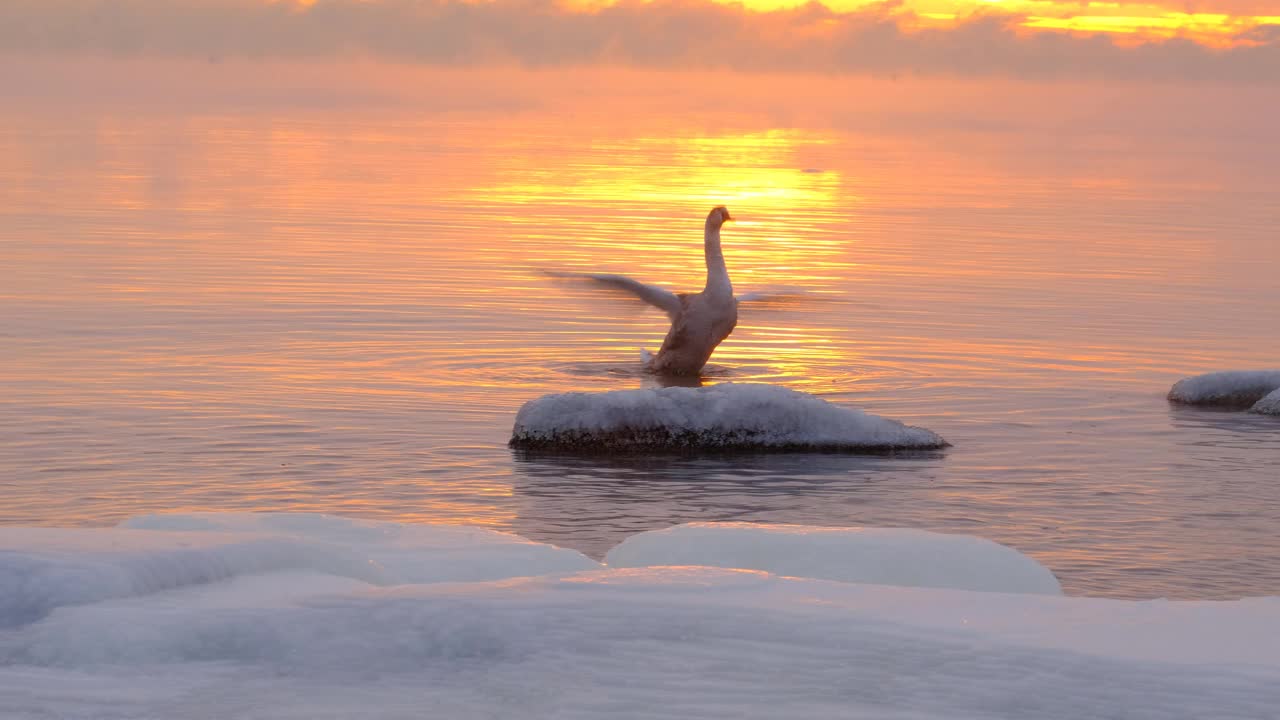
(699, 321)
(704, 321)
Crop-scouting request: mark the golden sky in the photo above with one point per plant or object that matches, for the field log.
(1211, 23)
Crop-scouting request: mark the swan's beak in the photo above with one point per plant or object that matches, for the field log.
(727, 217)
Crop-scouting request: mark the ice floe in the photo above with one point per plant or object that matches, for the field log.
(724, 416)
(885, 556)
(319, 639)
(1236, 388)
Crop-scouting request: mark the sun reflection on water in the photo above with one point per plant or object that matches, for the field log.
(636, 206)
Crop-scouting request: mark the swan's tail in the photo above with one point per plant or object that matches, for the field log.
(646, 357)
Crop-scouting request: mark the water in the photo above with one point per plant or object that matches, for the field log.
(322, 307)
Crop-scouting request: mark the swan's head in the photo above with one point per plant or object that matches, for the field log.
(719, 216)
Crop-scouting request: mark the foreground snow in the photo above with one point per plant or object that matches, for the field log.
(322, 639)
(1236, 388)
(729, 416)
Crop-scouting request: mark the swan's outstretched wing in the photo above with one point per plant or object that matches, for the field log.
(779, 294)
(665, 300)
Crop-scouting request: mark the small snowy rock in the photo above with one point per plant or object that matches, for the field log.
(1269, 405)
(880, 556)
(1239, 388)
(728, 416)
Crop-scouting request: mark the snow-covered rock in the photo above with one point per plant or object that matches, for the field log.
(725, 416)
(1236, 388)
(883, 556)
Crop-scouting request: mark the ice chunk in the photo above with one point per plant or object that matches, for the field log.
(406, 553)
(1238, 388)
(42, 569)
(1269, 405)
(60, 567)
(725, 416)
(883, 556)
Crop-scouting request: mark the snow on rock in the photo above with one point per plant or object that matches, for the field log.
(725, 416)
(1269, 405)
(1237, 388)
(883, 556)
(43, 569)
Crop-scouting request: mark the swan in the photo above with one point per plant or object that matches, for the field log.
(699, 321)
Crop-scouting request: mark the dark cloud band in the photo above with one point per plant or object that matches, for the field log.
(667, 34)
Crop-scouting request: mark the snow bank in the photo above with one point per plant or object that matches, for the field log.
(1269, 405)
(42, 569)
(1240, 388)
(884, 556)
(725, 416)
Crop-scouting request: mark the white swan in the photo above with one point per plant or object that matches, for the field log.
(699, 321)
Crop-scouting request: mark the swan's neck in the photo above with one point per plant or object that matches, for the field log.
(717, 274)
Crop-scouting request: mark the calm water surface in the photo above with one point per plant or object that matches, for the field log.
(314, 310)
